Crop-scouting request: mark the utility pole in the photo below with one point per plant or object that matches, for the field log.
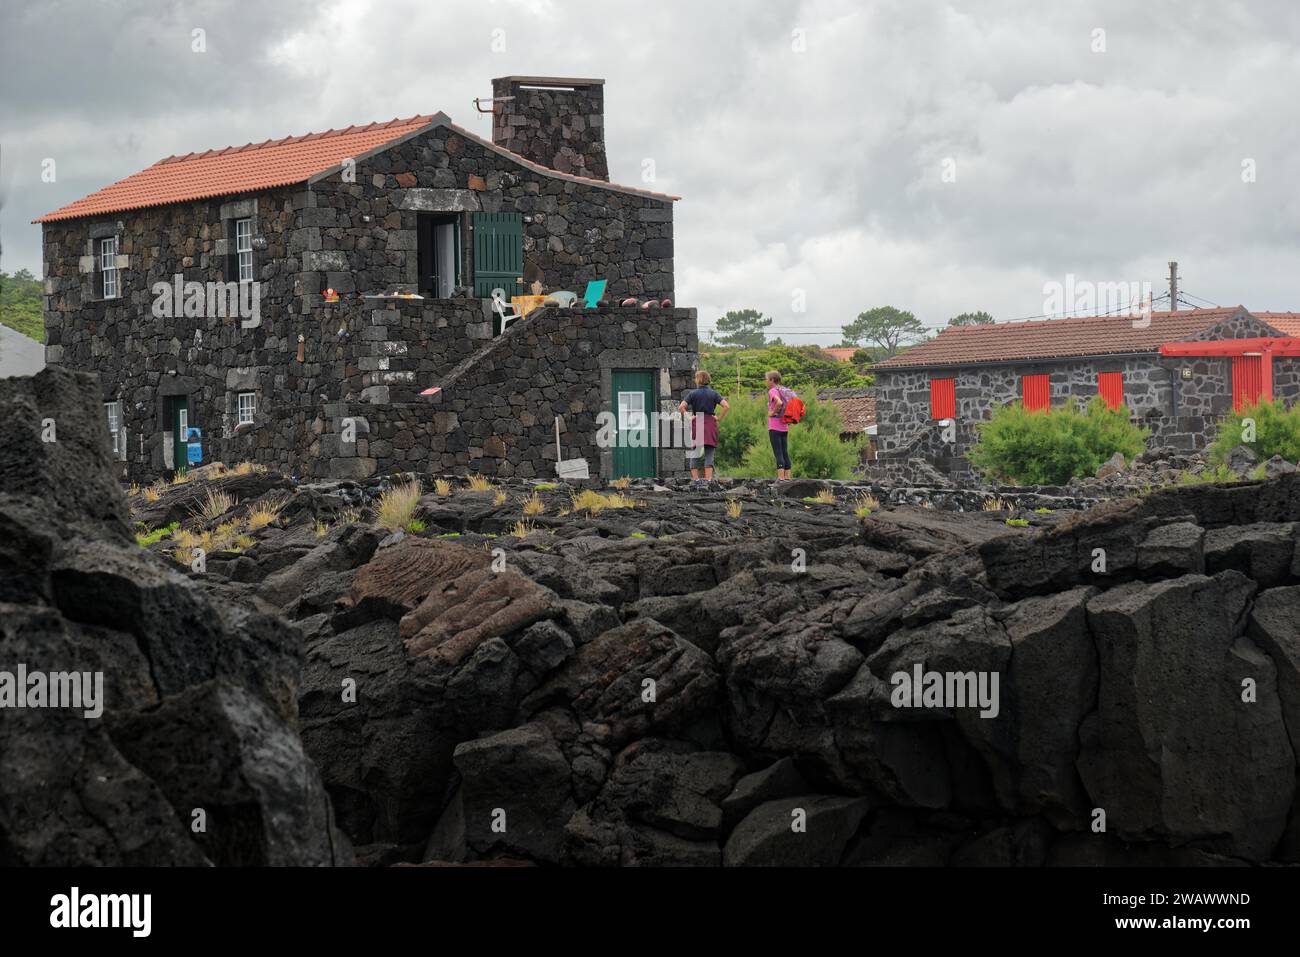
(1173, 287)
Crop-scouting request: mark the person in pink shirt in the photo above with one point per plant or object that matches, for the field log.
(777, 431)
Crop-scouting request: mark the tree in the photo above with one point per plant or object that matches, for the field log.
(886, 328)
(20, 304)
(971, 319)
(743, 327)
(801, 367)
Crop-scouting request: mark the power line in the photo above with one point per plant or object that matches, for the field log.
(1202, 298)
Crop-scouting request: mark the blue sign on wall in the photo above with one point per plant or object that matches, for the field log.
(194, 446)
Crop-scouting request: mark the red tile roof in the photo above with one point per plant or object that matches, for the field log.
(1287, 323)
(237, 169)
(840, 353)
(283, 162)
(857, 412)
(1062, 338)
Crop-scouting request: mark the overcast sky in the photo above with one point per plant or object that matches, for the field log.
(938, 157)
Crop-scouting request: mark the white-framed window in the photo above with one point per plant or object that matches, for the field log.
(631, 411)
(245, 407)
(114, 412)
(108, 266)
(244, 248)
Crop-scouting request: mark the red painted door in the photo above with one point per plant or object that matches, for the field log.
(1036, 391)
(943, 398)
(1110, 386)
(1247, 381)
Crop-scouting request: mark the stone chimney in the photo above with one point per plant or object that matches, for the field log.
(554, 121)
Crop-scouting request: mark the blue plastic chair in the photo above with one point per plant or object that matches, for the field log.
(595, 292)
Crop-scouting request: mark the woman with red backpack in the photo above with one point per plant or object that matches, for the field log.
(778, 431)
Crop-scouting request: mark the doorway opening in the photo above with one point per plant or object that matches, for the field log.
(438, 251)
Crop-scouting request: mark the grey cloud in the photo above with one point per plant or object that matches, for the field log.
(816, 170)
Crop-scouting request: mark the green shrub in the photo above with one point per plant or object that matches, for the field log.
(814, 453)
(739, 430)
(1037, 448)
(1276, 431)
(1220, 473)
(742, 435)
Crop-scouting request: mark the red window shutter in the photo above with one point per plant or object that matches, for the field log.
(1036, 391)
(1110, 386)
(1247, 381)
(943, 398)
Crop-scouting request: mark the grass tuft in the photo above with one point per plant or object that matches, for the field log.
(591, 501)
(396, 507)
(214, 504)
(478, 483)
(533, 505)
(264, 514)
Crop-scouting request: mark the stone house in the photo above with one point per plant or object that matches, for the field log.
(1177, 372)
(857, 409)
(323, 303)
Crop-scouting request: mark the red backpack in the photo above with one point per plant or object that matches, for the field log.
(792, 409)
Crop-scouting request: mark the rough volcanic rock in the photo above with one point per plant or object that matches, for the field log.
(460, 614)
(398, 577)
(1261, 551)
(633, 680)
(598, 700)
(1172, 550)
(1048, 689)
(1173, 749)
(250, 768)
(109, 784)
(778, 680)
(1274, 625)
(515, 793)
(778, 780)
(805, 831)
(659, 807)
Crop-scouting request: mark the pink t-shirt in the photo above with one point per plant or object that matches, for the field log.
(774, 422)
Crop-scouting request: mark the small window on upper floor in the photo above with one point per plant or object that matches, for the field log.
(244, 248)
(108, 274)
(246, 407)
(114, 413)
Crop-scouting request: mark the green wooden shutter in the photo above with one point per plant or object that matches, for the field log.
(498, 254)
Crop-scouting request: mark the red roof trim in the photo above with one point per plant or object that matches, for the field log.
(1286, 346)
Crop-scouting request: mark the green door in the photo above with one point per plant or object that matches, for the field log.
(498, 254)
(180, 422)
(633, 403)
